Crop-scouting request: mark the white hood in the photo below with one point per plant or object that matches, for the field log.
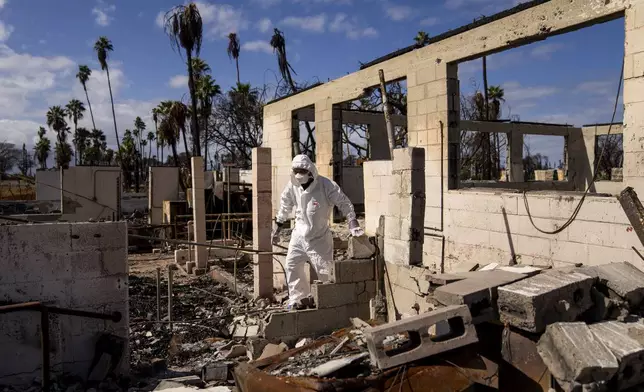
(303, 162)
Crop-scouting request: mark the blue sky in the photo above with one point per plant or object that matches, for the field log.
(570, 78)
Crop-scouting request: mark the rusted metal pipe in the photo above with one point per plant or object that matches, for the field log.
(250, 251)
(19, 307)
(170, 272)
(158, 293)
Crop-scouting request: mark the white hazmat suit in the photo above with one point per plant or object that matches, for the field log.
(311, 238)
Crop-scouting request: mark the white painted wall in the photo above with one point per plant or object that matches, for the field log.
(69, 265)
(48, 185)
(163, 184)
(91, 192)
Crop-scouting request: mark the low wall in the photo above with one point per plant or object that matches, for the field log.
(80, 266)
(48, 185)
(91, 192)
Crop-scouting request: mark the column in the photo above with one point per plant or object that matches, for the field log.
(199, 214)
(262, 222)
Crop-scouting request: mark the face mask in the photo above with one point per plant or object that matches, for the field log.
(302, 178)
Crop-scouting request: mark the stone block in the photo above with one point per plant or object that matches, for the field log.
(318, 322)
(279, 324)
(461, 333)
(411, 158)
(350, 271)
(574, 356)
(479, 292)
(628, 351)
(361, 247)
(331, 295)
(623, 278)
(553, 296)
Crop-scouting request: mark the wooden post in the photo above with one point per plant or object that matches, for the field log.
(387, 110)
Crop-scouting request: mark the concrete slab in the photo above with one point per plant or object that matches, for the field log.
(574, 355)
(479, 292)
(421, 343)
(628, 351)
(533, 303)
(624, 279)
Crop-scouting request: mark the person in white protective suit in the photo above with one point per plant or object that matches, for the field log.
(313, 197)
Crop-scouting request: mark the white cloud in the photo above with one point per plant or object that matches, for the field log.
(398, 12)
(307, 23)
(545, 50)
(258, 46)
(264, 25)
(219, 20)
(337, 2)
(103, 13)
(597, 87)
(430, 21)
(341, 23)
(5, 31)
(515, 92)
(178, 81)
(266, 3)
(2, 3)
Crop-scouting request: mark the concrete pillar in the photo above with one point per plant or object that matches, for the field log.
(514, 158)
(634, 96)
(262, 222)
(199, 212)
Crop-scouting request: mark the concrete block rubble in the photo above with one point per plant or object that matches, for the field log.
(591, 336)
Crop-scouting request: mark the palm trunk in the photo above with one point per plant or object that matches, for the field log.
(90, 106)
(176, 161)
(185, 144)
(116, 131)
(193, 98)
(150, 153)
(75, 142)
(237, 64)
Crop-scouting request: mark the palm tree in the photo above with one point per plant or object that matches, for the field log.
(81, 142)
(233, 51)
(279, 47)
(159, 143)
(75, 109)
(184, 26)
(102, 47)
(178, 114)
(168, 130)
(422, 39)
(207, 89)
(42, 148)
(150, 139)
(56, 121)
(83, 76)
(496, 95)
(200, 68)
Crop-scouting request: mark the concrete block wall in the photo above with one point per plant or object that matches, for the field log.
(80, 266)
(91, 192)
(404, 219)
(163, 184)
(336, 302)
(377, 178)
(634, 96)
(262, 222)
(406, 287)
(353, 184)
(277, 136)
(48, 185)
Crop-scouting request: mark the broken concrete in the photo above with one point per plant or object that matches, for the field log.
(352, 271)
(628, 351)
(533, 303)
(461, 333)
(479, 292)
(574, 355)
(361, 247)
(624, 279)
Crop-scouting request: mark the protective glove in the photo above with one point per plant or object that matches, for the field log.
(354, 228)
(275, 235)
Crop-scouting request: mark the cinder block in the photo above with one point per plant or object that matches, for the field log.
(365, 291)
(181, 256)
(479, 293)
(461, 333)
(403, 252)
(331, 295)
(628, 351)
(553, 296)
(350, 271)
(623, 278)
(98, 236)
(574, 355)
(360, 247)
(279, 324)
(412, 158)
(318, 322)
